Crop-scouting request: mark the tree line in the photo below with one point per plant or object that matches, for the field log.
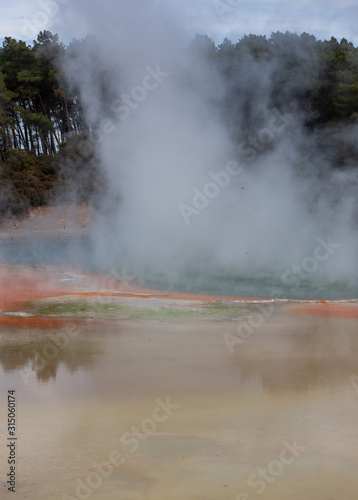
(35, 110)
(41, 117)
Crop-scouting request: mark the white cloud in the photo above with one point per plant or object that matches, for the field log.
(14, 16)
(320, 18)
(23, 19)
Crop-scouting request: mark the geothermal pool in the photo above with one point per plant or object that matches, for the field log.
(117, 397)
(200, 279)
(180, 414)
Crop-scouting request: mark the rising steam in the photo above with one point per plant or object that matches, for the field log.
(184, 196)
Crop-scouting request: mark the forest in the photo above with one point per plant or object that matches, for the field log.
(43, 126)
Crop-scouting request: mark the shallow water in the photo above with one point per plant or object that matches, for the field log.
(290, 380)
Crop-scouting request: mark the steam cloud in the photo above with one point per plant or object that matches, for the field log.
(184, 196)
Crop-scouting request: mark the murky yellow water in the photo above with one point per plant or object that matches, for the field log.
(276, 418)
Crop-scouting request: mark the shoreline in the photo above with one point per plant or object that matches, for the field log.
(85, 280)
(69, 223)
(21, 286)
(48, 222)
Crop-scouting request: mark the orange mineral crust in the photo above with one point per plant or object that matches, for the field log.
(21, 285)
(326, 309)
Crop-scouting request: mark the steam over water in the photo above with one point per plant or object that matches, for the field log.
(295, 283)
(187, 206)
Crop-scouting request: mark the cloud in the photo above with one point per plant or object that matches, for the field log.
(27, 18)
(217, 18)
(12, 19)
(322, 19)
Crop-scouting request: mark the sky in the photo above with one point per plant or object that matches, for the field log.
(23, 19)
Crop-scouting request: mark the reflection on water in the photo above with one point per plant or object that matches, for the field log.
(289, 381)
(299, 355)
(287, 353)
(44, 352)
